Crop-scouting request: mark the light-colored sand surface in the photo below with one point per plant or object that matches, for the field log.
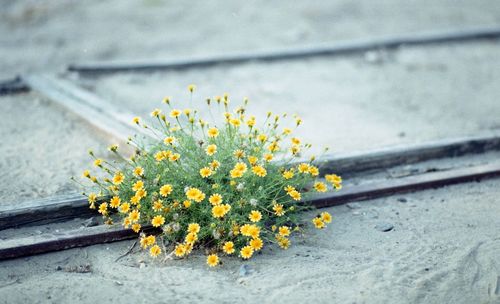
(414, 94)
(42, 146)
(443, 249)
(46, 35)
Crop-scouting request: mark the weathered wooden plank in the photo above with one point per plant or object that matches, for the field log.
(65, 207)
(352, 163)
(95, 235)
(97, 111)
(406, 184)
(13, 86)
(42, 211)
(349, 47)
(43, 243)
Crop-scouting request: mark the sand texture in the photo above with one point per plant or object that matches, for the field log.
(443, 249)
(46, 35)
(43, 145)
(411, 95)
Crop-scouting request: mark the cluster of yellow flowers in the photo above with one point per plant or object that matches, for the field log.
(229, 187)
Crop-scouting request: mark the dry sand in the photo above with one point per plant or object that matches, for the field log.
(46, 35)
(443, 249)
(42, 146)
(410, 95)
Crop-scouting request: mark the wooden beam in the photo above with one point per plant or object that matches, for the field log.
(13, 86)
(342, 48)
(102, 234)
(100, 113)
(42, 211)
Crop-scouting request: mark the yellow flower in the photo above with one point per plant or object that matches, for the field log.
(320, 187)
(288, 174)
(118, 178)
(97, 162)
(205, 172)
(135, 199)
(259, 171)
(256, 244)
(157, 205)
(235, 122)
(169, 140)
(191, 238)
(228, 247)
(215, 199)
(213, 132)
(252, 160)
(191, 88)
(284, 231)
(195, 194)
(155, 113)
(211, 150)
(314, 171)
(214, 165)
(240, 167)
(262, 138)
(295, 150)
(141, 193)
(239, 153)
(333, 178)
(318, 223)
(326, 217)
(126, 222)
(278, 210)
(289, 189)
(165, 190)
(255, 216)
(251, 122)
(284, 243)
(218, 211)
(138, 185)
(295, 141)
(235, 173)
(194, 228)
(173, 157)
(155, 251)
(295, 195)
(303, 168)
(86, 173)
(134, 216)
(186, 203)
(180, 250)
(273, 147)
(157, 221)
(175, 113)
(287, 131)
(136, 120)
(92, 198)
(103, 208)
(268, 157)
(115, 202)
(136, 227)
(144, 242)
(212, 260)
(246, 252)
(125, 208)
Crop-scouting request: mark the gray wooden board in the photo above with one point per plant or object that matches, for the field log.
(349, 47)
(101, 234)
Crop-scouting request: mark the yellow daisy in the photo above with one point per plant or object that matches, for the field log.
(155, 251)
(165, 190)
(211, 149)
(212, 260)
(255, 216)
(228, 247)
(246, 252)
(118, 178)
(157, 221)
(284, 231)
(205, 172)
(213, 132)
(215, 199)
(138, 185)
(194, 228)
(326, 217)
(320, 186)
(175, 113)
(256, 244)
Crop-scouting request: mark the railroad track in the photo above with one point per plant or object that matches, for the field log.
(116, 123)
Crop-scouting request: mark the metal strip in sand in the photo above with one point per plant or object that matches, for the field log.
(345, 48)
(95, 235)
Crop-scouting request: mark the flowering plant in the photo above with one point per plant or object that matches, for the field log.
(228, 185)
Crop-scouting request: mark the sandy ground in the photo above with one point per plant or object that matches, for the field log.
(47, 35)
(406, 96)
(443, 249)
(42, 147)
